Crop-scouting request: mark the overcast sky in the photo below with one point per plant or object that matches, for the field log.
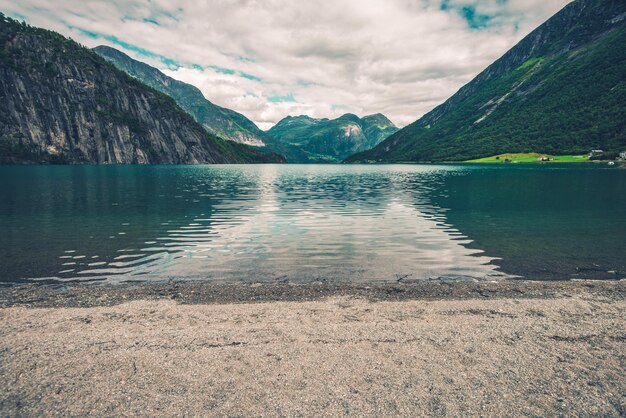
(271, 58)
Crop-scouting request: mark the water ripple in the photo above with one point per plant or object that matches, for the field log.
(304, 222)
(260, 222)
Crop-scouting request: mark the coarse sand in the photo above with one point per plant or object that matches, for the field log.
(336, 355)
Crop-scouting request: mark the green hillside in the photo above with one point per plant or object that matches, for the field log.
(303, 139)
(560, 91)
(531, 157)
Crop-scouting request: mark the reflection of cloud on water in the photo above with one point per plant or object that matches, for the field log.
(303, 230)
(312, 245)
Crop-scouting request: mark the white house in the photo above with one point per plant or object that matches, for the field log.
(596, 153)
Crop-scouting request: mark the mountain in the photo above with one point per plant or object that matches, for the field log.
(302, 139)
(561, 90)
(63, 103)
(220, 121)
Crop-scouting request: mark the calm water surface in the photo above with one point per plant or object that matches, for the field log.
(311, 222)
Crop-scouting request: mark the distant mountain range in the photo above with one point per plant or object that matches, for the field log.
(63, 103)
(220, 121)
(302, 139)
(561, 90)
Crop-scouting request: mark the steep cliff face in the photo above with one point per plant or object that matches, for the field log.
(302, 139)
(62, 103)
(561, 90)
(225, 123)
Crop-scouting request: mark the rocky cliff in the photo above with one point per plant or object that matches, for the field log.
(62, 103)
(220, 121)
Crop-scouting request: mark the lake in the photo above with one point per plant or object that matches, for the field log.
(356, 223)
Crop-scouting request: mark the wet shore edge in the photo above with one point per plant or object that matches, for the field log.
(204, 292)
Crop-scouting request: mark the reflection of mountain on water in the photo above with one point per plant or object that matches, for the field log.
(62, 220)
(542, 222)
(267, 222)
(311, 222)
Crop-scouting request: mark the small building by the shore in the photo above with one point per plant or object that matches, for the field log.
(596, 153)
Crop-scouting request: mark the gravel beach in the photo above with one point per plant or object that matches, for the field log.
(511, 348)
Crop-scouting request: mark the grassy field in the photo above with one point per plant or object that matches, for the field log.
(531, 157)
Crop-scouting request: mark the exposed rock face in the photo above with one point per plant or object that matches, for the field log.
(560, 90)
(62, 103)
(302, 139)
(223, 122)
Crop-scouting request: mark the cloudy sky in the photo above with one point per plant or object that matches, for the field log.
(271, 58)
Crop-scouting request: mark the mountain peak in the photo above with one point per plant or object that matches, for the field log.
(349, 117)
(378, 118)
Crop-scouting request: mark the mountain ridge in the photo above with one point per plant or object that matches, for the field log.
(220, 121)
(303, 139)
(574, 60)
(65, 104)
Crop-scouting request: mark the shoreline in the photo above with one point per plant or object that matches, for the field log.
(511, 348)
(204, 292)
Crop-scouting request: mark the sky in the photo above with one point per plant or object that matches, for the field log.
(272, 58)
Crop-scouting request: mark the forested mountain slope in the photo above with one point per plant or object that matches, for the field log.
(561, 90)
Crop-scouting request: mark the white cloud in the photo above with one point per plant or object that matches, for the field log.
(398, 57)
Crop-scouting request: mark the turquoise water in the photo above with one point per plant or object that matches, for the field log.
(311, 222)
